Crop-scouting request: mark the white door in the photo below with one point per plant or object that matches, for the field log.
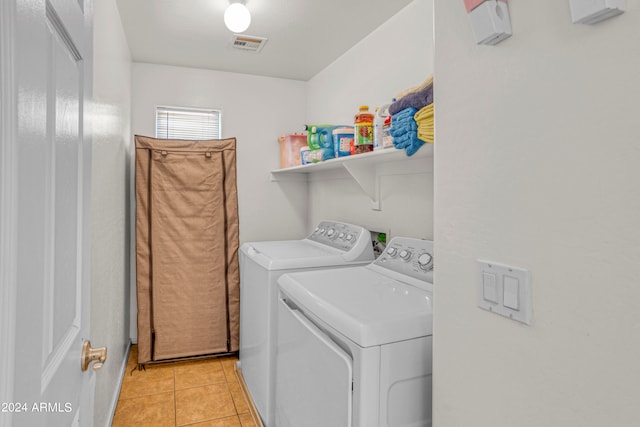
(44, 193)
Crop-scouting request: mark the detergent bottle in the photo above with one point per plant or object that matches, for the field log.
(380, 131)
(363, 131)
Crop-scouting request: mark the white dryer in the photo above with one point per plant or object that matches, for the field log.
(332, 244)
(355, 344)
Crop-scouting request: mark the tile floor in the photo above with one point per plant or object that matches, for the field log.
(200, 393)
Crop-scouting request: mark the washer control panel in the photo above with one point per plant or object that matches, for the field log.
(409, 256)
(337, 234)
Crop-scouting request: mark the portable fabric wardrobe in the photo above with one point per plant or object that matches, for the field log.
(187, 273)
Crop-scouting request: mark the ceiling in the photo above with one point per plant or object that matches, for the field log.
(304, 36)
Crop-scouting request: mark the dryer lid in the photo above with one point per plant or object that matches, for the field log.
(367, 307)
(290, 254)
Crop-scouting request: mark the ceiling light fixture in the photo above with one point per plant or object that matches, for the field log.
(237, 17)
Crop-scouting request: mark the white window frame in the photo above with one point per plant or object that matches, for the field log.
(166, 131)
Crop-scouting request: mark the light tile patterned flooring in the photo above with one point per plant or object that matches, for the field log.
(200, 393)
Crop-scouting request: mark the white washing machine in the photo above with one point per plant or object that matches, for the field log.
(355, 344)
(332, 244)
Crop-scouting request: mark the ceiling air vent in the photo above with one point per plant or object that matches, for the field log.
(248, 43)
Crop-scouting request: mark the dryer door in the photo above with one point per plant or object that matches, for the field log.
(313, 375)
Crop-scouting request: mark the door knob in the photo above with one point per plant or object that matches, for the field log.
(98, 355)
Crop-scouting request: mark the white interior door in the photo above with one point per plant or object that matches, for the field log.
(45, 189)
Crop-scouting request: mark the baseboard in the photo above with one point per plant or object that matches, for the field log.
(252, 408)
(116, 396)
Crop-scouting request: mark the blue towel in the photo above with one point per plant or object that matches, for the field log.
(406, 112)
(409, 141)
(415, 146)
(403, 122)
(405, 140)
(404, 131)
(398, 129)
(402, 141)
(417, 100)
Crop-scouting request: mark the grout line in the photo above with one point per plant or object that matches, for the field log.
(228, 379)
(175, 404)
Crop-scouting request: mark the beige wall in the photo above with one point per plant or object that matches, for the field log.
(110, 203)
(536, 166)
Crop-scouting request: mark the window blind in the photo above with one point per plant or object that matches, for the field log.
(187, 123)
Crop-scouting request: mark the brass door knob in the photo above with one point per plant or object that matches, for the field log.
(98, 355)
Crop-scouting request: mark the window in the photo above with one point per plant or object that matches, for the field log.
(188, 123)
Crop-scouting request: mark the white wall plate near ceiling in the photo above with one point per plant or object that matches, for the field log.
(593, 11)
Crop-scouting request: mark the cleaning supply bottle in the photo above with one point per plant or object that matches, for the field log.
(363, 131)
(312, 138)
(319, 136)
(379, 129)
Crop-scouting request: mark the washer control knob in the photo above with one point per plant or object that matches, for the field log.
(331, 232)
(316, 230)
(349, 237)
(392, 252)
(322, 231)
(405, 255)
(341, 235)
(425, 262)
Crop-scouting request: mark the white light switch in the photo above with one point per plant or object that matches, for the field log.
(504, 290)
(511, 295)
(490, 287)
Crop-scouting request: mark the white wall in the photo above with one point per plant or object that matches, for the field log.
(396, 56)
(110, 203)
(536, 166)
(255, 110)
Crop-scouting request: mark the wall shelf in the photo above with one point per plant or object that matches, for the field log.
(363, 168)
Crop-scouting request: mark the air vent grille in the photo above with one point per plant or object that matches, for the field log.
(248, 43)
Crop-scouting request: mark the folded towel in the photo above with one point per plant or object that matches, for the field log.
(417, 100)
(405, 129)
(403, 122)
(424, 113)
(414, 147)
(404, 113)
(426, 135)
(403, 140)
(409, 141)
(399, 129)
(425, 120)
(423, 85)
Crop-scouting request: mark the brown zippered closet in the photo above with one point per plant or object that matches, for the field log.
(187, 273)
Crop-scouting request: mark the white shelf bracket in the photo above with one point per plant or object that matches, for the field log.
(368, 179)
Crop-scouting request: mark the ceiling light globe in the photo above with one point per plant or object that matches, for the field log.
(237, 17)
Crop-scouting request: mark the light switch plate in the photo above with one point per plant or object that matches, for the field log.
(512, 290)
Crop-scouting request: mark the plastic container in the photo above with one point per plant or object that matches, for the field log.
(342, 141)
(387, 139)
(381, 137)
(319, 136)
(363, 131)
(315, 156)
(290, 149)
(304, 154)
